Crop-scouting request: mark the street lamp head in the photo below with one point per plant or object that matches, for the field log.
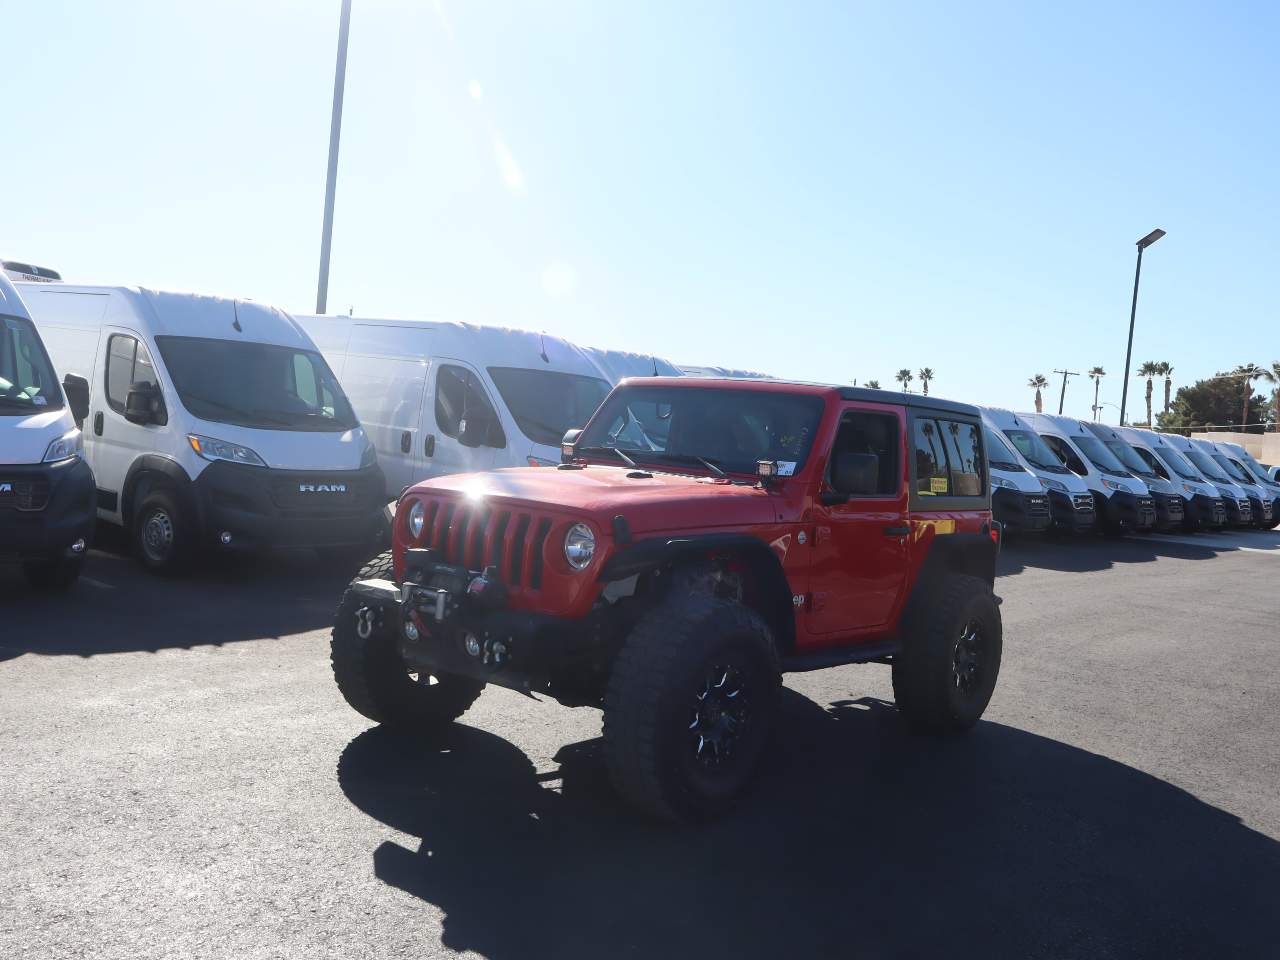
(1150, 238)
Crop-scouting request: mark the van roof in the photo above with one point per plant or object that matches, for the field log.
(10, 302)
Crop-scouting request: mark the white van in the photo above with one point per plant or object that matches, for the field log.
(1071, 504)
(1169, 497)
(1239, 509)
(1204, 507)
(617, 365)
(1018, 497)
(211, 422)
(443, 397)
(1123, 502)
(1262, 502)
(1262, 476)
(46, 488)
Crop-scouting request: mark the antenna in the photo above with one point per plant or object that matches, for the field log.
(542, 346)
(1063, 396)
(235, 312)
(655, 364)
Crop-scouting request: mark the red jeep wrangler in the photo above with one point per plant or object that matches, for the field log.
(700, 538)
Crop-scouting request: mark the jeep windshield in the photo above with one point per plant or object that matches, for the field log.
(545, 403)
(27, 380)
(705, 428)
(1035, 451)
(258, 385)
(1000, 455)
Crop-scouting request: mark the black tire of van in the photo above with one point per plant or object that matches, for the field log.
(164, 535)
(54, 574)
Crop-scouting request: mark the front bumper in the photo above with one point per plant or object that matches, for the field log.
(68, 514)
(1170, 511)
(1206, 511)
(1239, 512)
(1263, 511)
(1021, 512)
(258, 506)
(1124, 511)
(1074, 512)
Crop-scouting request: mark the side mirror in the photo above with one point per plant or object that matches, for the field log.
(77, 391)
(142, 405)
(856, 474)
(567, 444)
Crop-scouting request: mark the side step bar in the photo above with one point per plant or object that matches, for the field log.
(821, 659)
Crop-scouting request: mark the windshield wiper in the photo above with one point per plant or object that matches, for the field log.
(621, 456)
(15, 402)
(690, 458)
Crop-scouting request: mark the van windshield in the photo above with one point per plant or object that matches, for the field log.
(546, 403)
(1129, 457)
(258, 385)
(1000, 455)
(1178, 463)
(1236, 472)
(27, 381)
(1102, 458)
(1254, 467)
(1035, 451)
(1206, 466)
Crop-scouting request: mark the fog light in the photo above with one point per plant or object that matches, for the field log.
(410, 630)
(472, 643)
(78, 547)
(225, 537)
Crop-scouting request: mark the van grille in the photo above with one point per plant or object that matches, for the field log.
(24, 493)
(1082, 501)
(1037, 505)
(481, 535)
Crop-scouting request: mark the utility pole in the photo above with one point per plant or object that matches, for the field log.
(335, 132)
(1063, 396)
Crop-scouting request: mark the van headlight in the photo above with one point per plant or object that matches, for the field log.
(370, 455)
(69, 446)
(210, 448)
(1112, 485)
(1054, 485)
(579, 546)
(417, 515)
(1002, 482)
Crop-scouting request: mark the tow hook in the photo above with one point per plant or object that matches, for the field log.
(366, 619)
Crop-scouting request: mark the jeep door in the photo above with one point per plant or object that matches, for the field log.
(860, 533)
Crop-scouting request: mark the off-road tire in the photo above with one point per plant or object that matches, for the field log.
(54, 574)
(374, 679)
(652, 694)
(925, 678)
(157, 511)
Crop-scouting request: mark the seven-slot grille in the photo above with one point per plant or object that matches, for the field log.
(482, 535)
(24, 493)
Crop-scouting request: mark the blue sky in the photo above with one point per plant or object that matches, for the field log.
(821, 191)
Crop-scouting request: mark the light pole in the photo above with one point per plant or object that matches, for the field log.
(335, 132)
(1145, 242)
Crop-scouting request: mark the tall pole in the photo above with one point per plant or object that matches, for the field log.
(1063, 396)
(1128, 353)
(335, 133)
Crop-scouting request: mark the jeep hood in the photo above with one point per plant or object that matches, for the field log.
(660, 501)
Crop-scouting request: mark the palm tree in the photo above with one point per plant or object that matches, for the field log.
(925, 375)
(873, 384)
(1166, 370)
(904, 377)
(1038, 383)
(1275, 394)
(1149, 370)
(1249, 373)
(1096, 375)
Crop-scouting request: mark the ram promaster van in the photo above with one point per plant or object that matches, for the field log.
(618, 365)
(1262, 502)
(440, 397)
(1018, 497)
(1260, 473)
(46, 488)
(1239, 509)
(1169, 497)
(211, 423)
(1071, 504)
(1204, 508)
(1123, 502)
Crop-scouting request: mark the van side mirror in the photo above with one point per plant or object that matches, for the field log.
(143, 405)
(568, 443)
(77, 391)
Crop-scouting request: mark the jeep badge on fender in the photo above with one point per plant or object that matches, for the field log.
(701, 538)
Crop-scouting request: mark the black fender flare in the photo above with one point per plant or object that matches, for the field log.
(774, 603)
(954, 554)
(151, 470)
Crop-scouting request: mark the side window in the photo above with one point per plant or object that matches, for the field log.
(864, 458)
(463, 411)
(451, 384)
(964, 454)
(1152, 463)
(120, 351)
(1066, 455)
(144, 371)
(933, 479)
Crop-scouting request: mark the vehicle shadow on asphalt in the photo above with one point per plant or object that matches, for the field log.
(1089, 553)
(116, 606)
(861, 839)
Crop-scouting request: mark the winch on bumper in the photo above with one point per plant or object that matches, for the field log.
(451, 620)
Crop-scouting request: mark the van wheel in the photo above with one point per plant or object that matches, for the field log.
(690, 707)
(56, 573)
(944, 677)
(162, 535)
(375, 680)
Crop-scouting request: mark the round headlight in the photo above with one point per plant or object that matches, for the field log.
(579, 546)
(417, 513)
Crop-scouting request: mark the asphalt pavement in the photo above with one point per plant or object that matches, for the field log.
(179, 777)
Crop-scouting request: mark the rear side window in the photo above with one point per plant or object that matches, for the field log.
(460, 399)
(1062, 450)
(948, 458)
(128, 363)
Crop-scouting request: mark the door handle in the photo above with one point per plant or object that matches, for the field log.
(901, 531)
(97, 424)
(429, 445)
(406, 442)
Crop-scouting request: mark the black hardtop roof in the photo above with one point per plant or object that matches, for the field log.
(917, 401)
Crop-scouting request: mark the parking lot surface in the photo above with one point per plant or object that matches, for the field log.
(180, 778)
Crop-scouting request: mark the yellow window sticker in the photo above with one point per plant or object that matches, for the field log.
(937, 484)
